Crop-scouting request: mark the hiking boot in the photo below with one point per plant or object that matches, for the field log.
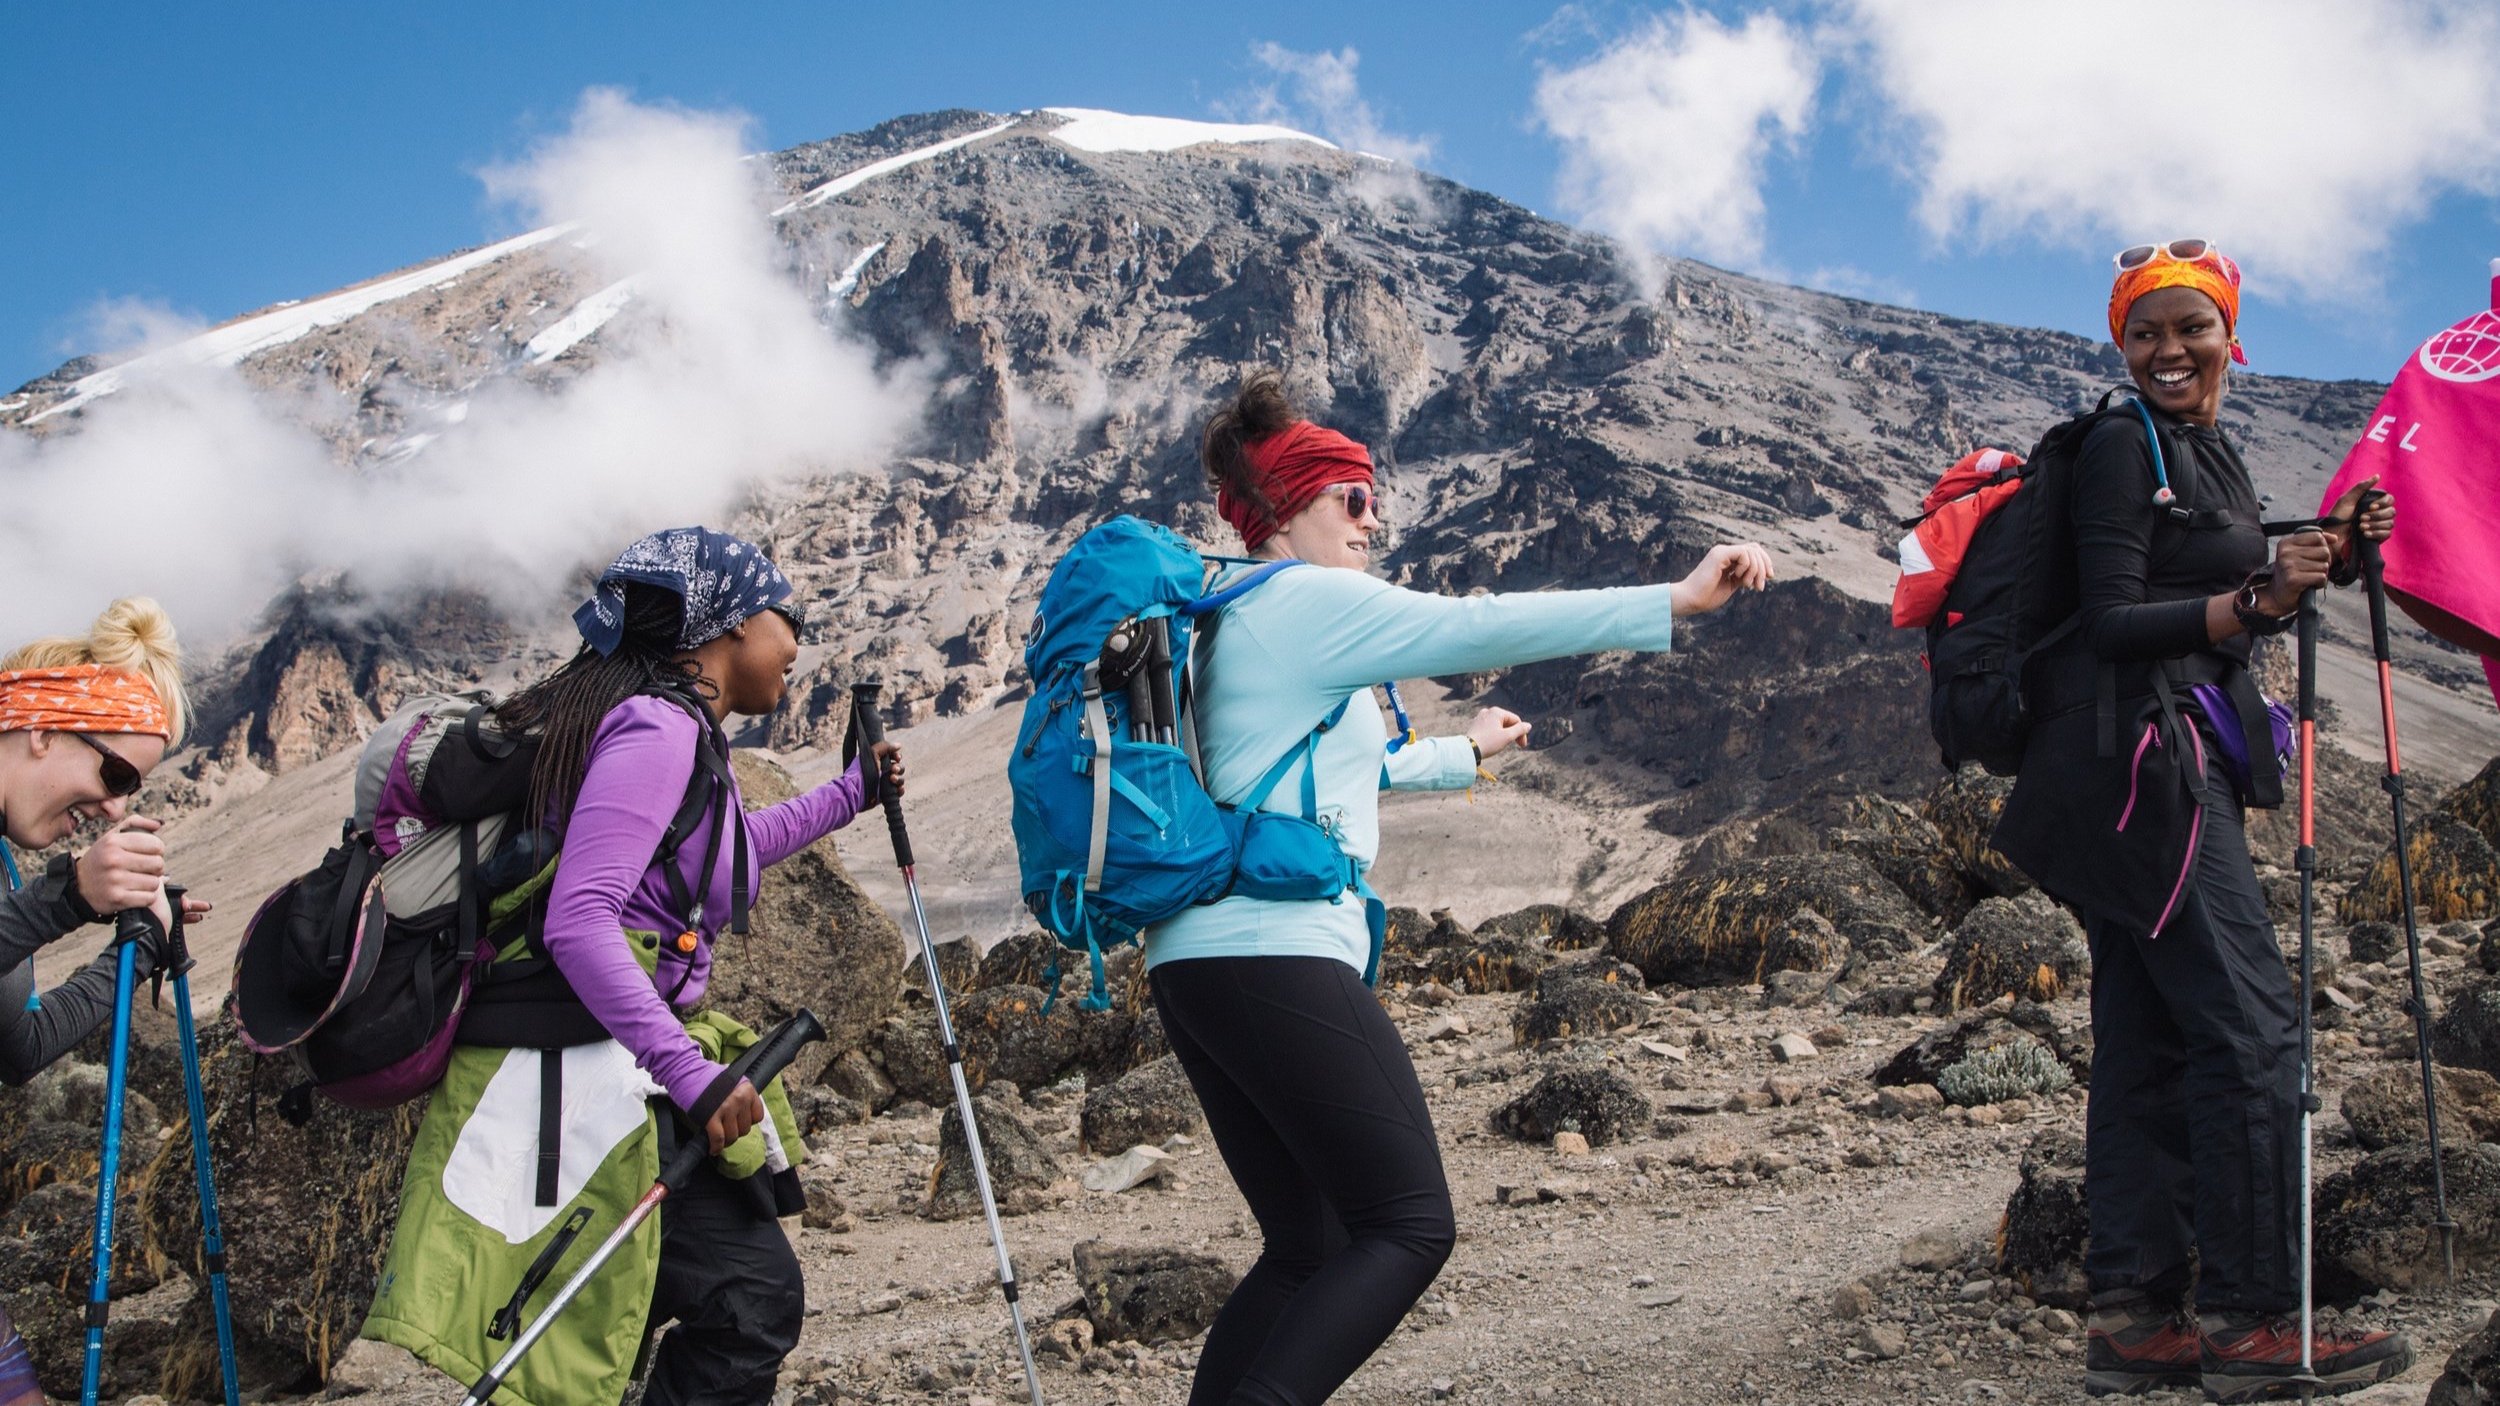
(2141, 1346)
(2252, 1357)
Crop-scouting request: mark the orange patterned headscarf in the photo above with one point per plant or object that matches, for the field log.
(2211, 273)
(81, 698)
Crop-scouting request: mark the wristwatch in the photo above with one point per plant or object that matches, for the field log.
(2253, 618)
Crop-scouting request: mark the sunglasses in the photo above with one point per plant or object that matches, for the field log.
(1358, 500)
(2177, 251)
(120, 778)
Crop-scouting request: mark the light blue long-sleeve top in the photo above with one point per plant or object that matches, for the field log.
(1286, 654)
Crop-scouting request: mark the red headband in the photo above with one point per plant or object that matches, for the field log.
(1292, 466)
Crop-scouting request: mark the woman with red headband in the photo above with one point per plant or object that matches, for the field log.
(1306, 1086)
(82, 722)
(2151, 741)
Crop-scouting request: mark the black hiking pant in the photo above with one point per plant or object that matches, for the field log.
(1317, 1112)
(730, 1280)
(2192, 1135)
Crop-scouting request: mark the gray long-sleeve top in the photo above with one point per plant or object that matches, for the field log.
(44, 911)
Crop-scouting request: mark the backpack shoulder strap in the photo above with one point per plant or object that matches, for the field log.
(1304, 752)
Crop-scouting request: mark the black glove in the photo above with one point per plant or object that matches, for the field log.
(57, 890)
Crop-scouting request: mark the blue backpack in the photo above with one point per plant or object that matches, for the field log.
(1115, 831)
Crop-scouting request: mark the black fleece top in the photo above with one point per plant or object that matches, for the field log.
(2144, 581)
(46, 909)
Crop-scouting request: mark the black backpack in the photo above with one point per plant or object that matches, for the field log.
(2015, 595)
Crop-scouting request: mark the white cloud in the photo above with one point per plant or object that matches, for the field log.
(1326, 94)
(2304, 135)
(1665, 133)
(211, 494)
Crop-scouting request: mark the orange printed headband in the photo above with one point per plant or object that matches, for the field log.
(2182, 263)
(81, 698)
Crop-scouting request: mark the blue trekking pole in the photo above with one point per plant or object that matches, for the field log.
(212, 1234)
(133, 924)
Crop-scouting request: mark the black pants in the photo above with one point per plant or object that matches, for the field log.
(1316, 1110)
(730, 1280)
(2192, 1136)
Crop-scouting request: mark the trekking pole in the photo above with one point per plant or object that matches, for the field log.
(128, 928)
(867, 731)
(2374, 572)
(178, 964)
(763, 1060)
(2307, 862)
(1159, 669)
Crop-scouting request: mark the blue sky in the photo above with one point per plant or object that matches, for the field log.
(1978, 161)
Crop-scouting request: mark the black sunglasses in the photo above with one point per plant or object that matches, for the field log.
(119, 776)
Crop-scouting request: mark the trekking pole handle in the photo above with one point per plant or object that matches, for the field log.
(2374, 573)
(760, 1065)
(177, 946)
(869, 728)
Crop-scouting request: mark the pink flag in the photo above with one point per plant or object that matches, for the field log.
(2434, 442)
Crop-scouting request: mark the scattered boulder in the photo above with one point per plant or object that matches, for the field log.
(2472, 1377)
(1736, 924)
(824, 1208)
(1560, 929)
(2374, 942)
(2487, 952)
(1792, 1047)
(959, 967)
(1795, 988)
(2467, 1033)
(1925, 1059)
(1021, 1169)
(2027, 947)
(1482, 965)
(813, 940)
(1146, 1105)
(2374, 1219)
(1131, 1169)
(1594, 1102)
(1150, 1295)
(1113, 1042)
(1004, 1035)
(1910, 850)
(1023, 960)
(2040, 1242)
(2384, 1106)
(1591, 996)
(854, 1076)
(820, 1109)
(1964, 808)
(2456, 874)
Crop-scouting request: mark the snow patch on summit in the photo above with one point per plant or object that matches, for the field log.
(1093, 129)
(851, 179)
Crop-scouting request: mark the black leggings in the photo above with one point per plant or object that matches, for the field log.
(729, 1279)
(1316, 1110)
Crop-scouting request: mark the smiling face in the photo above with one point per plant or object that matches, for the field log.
(51, 783)
(2178, 351)
(753, 667)
(1325, 534)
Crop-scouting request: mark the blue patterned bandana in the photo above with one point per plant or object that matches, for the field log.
(724, 582)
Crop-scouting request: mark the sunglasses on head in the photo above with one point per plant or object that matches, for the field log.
(2177, 251)
(119, 776)
(1358, 500)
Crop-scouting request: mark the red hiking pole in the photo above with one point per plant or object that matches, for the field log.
(2373, 571)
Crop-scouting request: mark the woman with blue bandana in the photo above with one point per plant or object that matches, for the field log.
(685, 628)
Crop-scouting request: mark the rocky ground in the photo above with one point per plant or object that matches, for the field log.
(1787, 1127)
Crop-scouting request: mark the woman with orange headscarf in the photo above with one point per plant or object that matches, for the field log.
(2150, 741)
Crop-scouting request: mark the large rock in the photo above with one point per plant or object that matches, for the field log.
(1594, 1102)
(1591, 996)
(2384, 1106)
(2375, 1219)
(1004, 1036)
(1024, 960)
(2040, 1242)
(2027, 947)
(813, 940)
(2472, 1377)
(1561, 929)
(1488, 964)
(1021, 1169)
(1964, 807)
(1150, 1295)
(1148, 1104)
(2456, 874)
(959, 970)
(2467, 1033)
(1925, 1060)
(1910, 850)
(1727, 927)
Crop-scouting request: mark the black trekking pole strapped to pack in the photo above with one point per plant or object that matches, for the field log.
(2374, 573)
(2306, 861)
(866, 732)
(763, 1061)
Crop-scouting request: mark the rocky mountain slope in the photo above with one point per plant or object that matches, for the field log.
(1078, 288)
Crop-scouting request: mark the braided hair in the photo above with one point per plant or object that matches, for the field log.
(564, 709)
(1258, 409)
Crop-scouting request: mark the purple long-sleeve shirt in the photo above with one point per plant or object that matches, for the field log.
(608, 879)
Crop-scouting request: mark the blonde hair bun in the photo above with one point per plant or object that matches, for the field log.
(133, 634)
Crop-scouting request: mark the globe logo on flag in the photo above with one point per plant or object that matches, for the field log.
(2468, 352)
